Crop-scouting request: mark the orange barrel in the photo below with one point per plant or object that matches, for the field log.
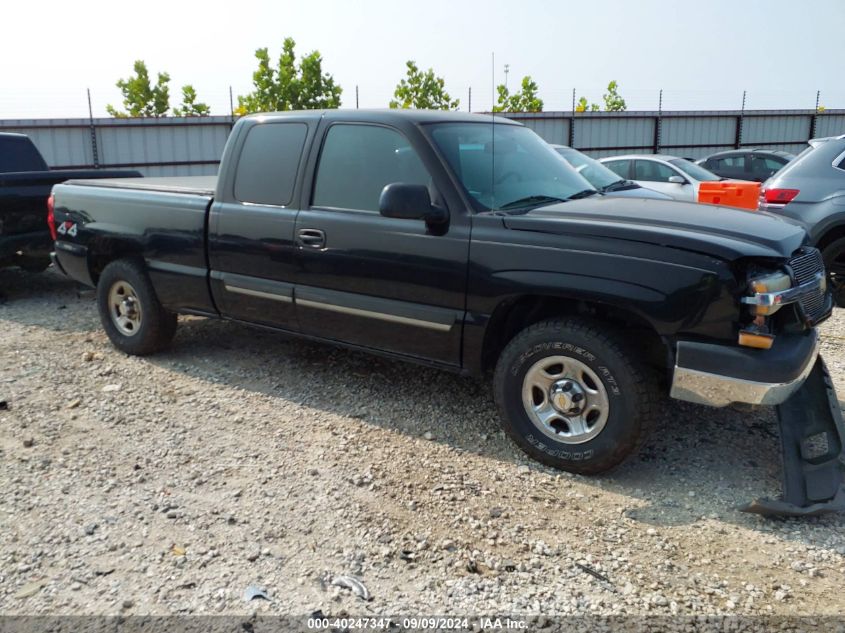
(730, 193)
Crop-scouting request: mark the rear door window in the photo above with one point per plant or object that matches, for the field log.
(731, 162)
(764, 166)
(268, 164)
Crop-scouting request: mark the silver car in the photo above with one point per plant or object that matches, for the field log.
(604, 179)
(811, 191)
(674, 176)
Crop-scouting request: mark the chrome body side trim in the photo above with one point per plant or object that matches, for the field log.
(257, 293)
(382, 316)
(718, 390)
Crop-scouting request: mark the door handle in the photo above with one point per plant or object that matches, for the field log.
(312, 238)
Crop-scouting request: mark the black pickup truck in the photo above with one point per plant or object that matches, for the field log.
(462, 242)
(25, 183)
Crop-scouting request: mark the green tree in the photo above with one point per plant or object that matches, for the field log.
(613, 102)
(526, 100)
(422, 90)
(190, 106)
(289, 86)
(140, 98)
(583, 106)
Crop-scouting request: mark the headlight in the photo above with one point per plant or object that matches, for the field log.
(766, 299)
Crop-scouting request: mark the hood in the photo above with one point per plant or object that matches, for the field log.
(638, 191)
(721, 232)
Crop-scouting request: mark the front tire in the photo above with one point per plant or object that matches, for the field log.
(133, 318)
(573, 396)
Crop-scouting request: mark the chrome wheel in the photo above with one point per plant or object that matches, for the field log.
(124, 308)
(565, 399)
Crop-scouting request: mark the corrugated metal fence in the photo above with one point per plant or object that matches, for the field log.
(193, 145)
(171, 146)
(692, 134)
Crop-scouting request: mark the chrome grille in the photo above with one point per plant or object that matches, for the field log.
(805, 265)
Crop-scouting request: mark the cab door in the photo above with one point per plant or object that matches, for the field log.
(251, 227)
(389, 284)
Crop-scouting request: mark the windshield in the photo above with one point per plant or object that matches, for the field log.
(501, 171)
(694, 171)
(597, 174)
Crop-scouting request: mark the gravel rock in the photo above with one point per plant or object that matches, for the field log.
(241, 458)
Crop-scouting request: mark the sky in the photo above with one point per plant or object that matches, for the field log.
(703, 54)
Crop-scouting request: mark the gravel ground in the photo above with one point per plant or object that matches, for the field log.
(242, 458)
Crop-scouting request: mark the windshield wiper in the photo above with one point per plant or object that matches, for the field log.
(531, 201)
(585, 193)
(616, 185)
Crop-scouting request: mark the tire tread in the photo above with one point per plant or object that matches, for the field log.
(158, 325)
(645, 384)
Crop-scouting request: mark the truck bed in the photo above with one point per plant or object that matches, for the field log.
(193, 185)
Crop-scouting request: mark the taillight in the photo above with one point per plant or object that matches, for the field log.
(51, 217)
(779, 196)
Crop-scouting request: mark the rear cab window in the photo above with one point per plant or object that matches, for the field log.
(269, 162)
(18, 153)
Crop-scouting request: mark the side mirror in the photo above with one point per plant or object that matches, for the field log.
(678, 180)
(410, 202)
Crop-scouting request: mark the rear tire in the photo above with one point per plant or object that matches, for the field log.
(572, 395)
(133, 318)
(834, 262)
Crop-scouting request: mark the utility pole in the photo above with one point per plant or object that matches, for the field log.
(94, 152)
(815, 117)
(356, 96)
(658, 122)
(739, 123)
(469, 99)
(507, 70)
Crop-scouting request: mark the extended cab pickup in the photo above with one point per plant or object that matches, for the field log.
(466, 243)
(25, 183)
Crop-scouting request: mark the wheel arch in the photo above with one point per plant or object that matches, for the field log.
(515, 313)
(830, 236)
(103, 250)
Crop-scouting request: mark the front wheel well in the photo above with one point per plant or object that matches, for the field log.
(514, 315)
(837, 232)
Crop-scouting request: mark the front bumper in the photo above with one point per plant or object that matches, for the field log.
(720, 375)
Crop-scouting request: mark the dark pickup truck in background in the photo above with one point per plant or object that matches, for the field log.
(450, 240)
(25, 184)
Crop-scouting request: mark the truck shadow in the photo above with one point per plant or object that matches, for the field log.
(699, 463)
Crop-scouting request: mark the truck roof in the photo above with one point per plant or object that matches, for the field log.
(387, 115)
